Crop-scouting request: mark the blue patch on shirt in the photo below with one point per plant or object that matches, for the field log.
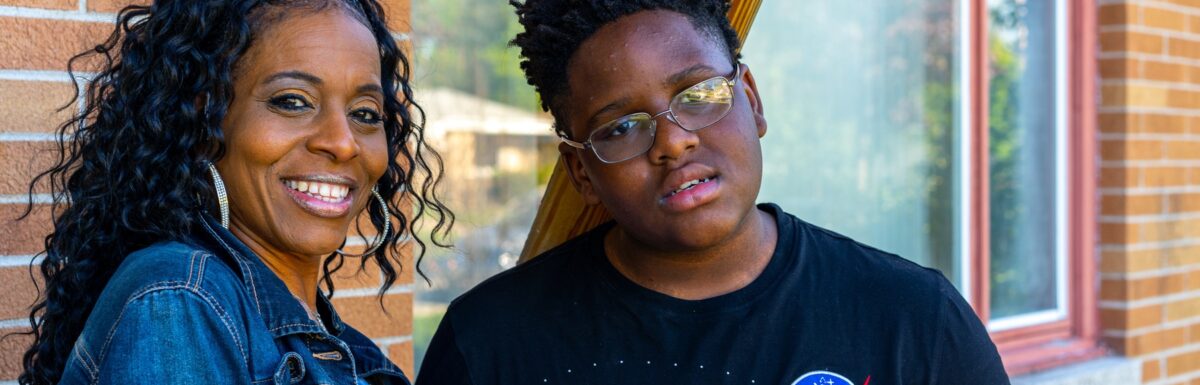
(822, 378)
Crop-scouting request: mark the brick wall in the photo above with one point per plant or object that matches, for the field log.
(36, 39)
(1150, 184)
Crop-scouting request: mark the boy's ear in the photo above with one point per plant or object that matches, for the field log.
(751, 89)
(579, 178)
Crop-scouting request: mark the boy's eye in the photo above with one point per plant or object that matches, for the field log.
(617, 129)
(290, 102)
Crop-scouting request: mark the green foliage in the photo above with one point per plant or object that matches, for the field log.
(463, 44)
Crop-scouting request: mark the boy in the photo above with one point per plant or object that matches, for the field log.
(692, 283)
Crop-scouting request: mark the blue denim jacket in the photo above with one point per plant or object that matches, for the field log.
(206, 310)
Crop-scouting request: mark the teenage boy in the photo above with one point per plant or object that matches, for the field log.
(692, 283)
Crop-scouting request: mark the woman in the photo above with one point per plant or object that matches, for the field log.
(208, 185)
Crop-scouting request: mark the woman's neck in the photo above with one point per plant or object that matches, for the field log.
(299, 273)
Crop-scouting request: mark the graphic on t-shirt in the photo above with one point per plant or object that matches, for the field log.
(821, 377)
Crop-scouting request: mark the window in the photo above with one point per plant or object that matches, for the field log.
(942, 131)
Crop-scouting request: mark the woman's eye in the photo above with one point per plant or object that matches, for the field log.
(367, 116)
(290, 102)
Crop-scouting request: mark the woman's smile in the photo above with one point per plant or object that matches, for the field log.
(322, 196)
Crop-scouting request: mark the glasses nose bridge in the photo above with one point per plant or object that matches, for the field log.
(670, 117)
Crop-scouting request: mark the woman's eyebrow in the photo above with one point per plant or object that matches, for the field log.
(300, 75)
(369, 88)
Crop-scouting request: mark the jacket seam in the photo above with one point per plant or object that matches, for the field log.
(183, 286)
(91, 368)
(242, 264)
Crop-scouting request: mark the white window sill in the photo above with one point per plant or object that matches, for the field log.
(1100, 371)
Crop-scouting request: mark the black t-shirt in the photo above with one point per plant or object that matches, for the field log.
(826, 310)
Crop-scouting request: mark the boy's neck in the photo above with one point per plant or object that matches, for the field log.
(697, 274)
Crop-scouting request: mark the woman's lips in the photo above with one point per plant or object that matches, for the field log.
(322, 199)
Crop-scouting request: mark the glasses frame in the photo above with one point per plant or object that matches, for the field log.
(669, 112)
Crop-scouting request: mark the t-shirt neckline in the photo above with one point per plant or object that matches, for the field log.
(782, 260)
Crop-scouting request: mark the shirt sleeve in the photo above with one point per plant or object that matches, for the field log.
(964, 351)
(444, 362)
(174, 336)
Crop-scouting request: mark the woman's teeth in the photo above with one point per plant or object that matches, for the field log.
(327, 192)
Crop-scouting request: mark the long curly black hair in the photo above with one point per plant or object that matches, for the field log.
(131, 167)
(554, 30)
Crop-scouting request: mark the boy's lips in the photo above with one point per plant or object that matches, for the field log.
(688, 187)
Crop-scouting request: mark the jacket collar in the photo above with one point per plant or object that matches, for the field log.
(282, 312)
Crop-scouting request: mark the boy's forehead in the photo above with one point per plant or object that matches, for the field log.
(639, 50)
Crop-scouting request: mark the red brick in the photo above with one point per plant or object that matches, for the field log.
(1183, 203)
(1183, 150)
(1165, 176)
(20, 161)
(365, 314)
(1119, 233)
(1120, 68)
(19, 290)
(12, 346)
(23, 237)
(45, 4)
(1185, 48)
(1120, 176)
(1119, 122)
(1131, 204)
(112, 6)
(398, 13)
(1125, 41)
(1151, 370)
(1138, 289)
(355, 275)
(402, 355)
(1182, 309)
(1183, 363)
(1163, 124)
(1131, 149)
(1131, 261)
(33, 106)
(43, 44)
(1167, 72)
(1117, 14)
(1182, 256)
(1165, 19)
(1130, 319)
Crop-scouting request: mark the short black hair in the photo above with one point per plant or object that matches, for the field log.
(554, 30)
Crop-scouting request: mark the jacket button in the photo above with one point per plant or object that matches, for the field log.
(328, 356)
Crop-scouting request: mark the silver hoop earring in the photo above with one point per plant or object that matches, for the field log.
(383, 236)
(222, 196)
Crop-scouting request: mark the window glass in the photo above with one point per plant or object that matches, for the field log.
(1024, 154)
(863, 104)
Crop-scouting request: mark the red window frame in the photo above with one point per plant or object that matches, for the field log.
(1075, 338)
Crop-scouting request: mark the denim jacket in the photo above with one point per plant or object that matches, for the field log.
(206, 310)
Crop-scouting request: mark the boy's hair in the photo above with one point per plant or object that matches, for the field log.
(554, 30)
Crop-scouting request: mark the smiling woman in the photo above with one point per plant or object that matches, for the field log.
(205, 191)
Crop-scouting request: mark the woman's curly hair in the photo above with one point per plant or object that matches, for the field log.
(554, 30)
(132, 163)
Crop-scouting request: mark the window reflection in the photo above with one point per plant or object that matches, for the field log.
(862, 99)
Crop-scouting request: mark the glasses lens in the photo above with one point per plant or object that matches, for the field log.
(624, 138)
(703, 104)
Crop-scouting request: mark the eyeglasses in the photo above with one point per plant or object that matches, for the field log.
(697, 107)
